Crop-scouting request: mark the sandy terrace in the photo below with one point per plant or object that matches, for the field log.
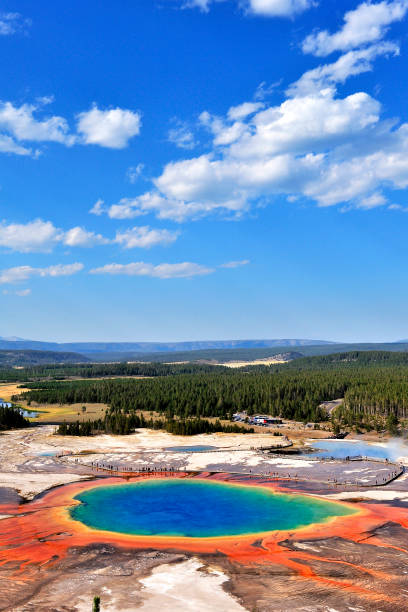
(30, 485)
(332, 473)
(241, 364)
(28, 463)
(28, 466)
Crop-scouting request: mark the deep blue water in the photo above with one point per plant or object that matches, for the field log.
(343, 448)
(190, 449)
(195, 508)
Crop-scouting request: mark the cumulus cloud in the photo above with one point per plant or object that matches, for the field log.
(36, 235)
(278, 8)
(162, 207)
(79, 237)
(366, 24)
(11, 23)
(372, 201)
(182, 136)
(264, 8)
(145, 237)
(8, 145)
(98, 208)
(132, 174)
(108, 128)
(18, 123)
(23, 273)
(19, 292)
(43, 236)
(243, 110)
(347, 65)
(224, 131)
(235, 264)
(203, 5)
(264, 90)
(164, 270)
(22, 124)
(316, 144)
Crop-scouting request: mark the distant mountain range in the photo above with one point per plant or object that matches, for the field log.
(152, 347)
(17, 353)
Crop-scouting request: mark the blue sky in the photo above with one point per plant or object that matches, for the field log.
(204, 169)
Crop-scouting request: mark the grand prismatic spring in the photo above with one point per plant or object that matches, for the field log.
(282, 534)
(197, 509)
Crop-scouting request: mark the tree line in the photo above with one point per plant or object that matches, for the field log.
(292, 396)
(123, 424)
(100, 370)
(11, 418)
(373, 388)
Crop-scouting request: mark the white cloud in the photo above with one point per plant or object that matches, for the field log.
(372, 201)
(365, 24)
(43, 236)
(264, 8)
(36, 235)
(132, 174)
(11, 23)
(203, 5)
(264, 90)
(21, 123)
(313, 145)
(145, 237)
(79, 237)
(98, 208)
(19, 293)
(224, 133)
(243, 110)
(349, 64)
(162, 207)
(279, 8)
(182, 136)
(164, 270)
(316, 144)
(108, 128)
(18, 123)
(8, 145)
(235, 264)
(23, 273)
(398, 207)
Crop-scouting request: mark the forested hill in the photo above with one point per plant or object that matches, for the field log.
(339, 361)
(24, 358)
(200, 356)
(375, 388)
(242, 354)
(348, 360)
(101, 370)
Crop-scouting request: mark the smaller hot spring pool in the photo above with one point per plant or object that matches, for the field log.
(340, 449)
(190, 449)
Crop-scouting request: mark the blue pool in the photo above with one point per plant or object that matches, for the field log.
(198, 508)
